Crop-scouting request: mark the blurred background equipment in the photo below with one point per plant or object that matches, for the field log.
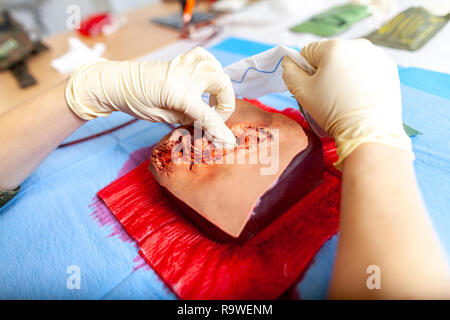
(333, 21)
(15, 47)
(31, 7)
(188, 15)
(194, 25)
(409, 30)
(49, 17)
(175, 20)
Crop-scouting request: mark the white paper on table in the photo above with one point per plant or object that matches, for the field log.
(77, 55)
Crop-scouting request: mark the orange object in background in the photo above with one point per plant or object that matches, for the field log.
(188, 10)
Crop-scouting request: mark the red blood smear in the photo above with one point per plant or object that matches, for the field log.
(195, 267)
(92, 25)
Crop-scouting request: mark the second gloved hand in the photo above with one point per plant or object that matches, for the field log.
(157, 91)
(354, 95)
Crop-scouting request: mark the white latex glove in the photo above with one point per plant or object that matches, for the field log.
(157, 91)
(354, 94)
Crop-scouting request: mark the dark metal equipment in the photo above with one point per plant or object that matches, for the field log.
(15, 48)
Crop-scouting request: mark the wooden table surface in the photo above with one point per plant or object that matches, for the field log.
(137, 37)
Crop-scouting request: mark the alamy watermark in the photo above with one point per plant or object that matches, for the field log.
(73, 21)
(73, 281)
(374, 280)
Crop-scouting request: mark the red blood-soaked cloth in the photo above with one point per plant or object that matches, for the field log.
(195, 267)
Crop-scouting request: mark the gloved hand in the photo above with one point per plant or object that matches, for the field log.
(354, 95)
(157, 91)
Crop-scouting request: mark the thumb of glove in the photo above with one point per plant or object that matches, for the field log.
(296, 78)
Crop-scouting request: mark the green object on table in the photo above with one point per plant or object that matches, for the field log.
(410, 131)
(333, 21)
(5, 196)
(409, 30)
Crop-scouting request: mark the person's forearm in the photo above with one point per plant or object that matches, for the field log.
(384, 223)
(30, 132)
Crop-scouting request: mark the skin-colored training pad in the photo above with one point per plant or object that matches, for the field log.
(233, 194)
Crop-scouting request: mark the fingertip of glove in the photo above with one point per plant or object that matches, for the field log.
(287, 62)
(217, 131)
